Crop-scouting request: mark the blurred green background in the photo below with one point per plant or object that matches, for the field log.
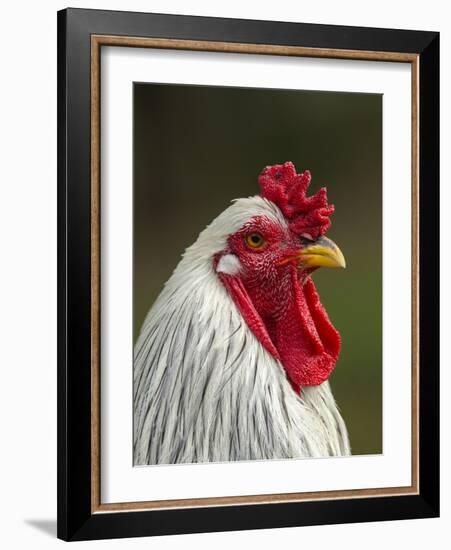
(196, 148)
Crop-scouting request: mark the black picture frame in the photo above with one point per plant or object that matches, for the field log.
(76, 519)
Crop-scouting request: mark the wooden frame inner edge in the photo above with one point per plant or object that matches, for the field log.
(107, 40)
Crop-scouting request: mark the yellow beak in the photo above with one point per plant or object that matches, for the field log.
(321, 253)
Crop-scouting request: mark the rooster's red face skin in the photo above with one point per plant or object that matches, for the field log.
(272, 288)
(279, 302)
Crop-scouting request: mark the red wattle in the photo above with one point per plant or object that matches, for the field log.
(241, 298)
(306, 340)
(299, 335)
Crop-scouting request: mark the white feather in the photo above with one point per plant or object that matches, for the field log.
(204, 387)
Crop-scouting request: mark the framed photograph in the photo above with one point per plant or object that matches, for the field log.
(248, 274)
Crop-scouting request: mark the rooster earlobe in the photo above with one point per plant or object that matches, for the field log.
(229, 264)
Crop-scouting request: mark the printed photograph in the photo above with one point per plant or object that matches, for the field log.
(257, 274)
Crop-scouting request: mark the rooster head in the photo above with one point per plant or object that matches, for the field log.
(266, 267)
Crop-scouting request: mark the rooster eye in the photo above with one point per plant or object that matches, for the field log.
(255, 240)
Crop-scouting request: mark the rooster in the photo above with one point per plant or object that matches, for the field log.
(233, 358)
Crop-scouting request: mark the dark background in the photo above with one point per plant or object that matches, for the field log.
(196, 148)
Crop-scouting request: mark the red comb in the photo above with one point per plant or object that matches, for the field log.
(281, 185)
